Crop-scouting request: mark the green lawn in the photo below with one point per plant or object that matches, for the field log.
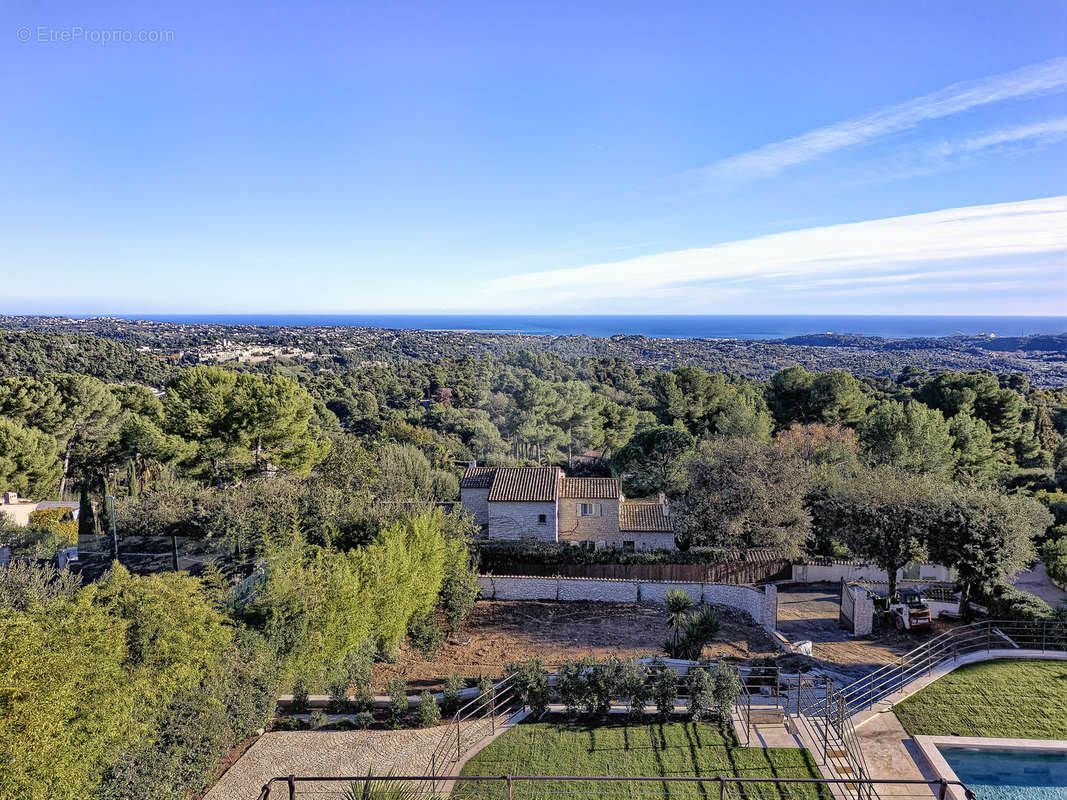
(653, 749)
(1022, 699)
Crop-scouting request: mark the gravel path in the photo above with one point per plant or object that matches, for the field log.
(324, 753)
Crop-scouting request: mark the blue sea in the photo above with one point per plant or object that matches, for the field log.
(722, 326)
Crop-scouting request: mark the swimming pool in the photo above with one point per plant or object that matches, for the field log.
(1009, 774)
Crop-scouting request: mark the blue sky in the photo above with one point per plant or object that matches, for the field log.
(823, 157)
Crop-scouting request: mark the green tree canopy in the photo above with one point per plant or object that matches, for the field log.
(651, 459)
(743, 493)
(29, 464)
(910, 436)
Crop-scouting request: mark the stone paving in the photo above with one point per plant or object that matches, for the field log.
(326, 754)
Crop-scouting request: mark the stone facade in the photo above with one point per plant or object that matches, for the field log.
(523, 521)
(543, 504)
(601, 527)
(476, 502)
(759, 603)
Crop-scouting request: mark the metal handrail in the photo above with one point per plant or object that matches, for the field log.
(947, 647)
(938, 787)
(469, 712)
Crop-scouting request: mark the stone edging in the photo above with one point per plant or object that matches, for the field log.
(928, 747)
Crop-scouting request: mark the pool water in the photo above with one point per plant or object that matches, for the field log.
(1007, 774)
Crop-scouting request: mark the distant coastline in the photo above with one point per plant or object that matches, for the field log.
(719, 326)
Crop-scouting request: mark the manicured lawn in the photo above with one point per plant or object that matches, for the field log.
(1021, 699)
(653, 749)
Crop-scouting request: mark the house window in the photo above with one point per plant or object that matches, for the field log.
(628, 546)
(542, 519)
(590, 510)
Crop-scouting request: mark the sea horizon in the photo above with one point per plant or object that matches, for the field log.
(659, 326)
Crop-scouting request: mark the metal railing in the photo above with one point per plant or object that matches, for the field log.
(835, 743)
(984, 636)
(531, 787)
(472, 722)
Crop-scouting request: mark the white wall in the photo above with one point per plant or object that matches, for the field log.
(760, 604)
(855, 571)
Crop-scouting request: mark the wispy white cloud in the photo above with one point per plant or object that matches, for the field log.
(1052, 130)
(1012, 243)
(1030, 81)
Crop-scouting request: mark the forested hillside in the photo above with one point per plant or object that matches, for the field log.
(1043, 359)
(321, 476)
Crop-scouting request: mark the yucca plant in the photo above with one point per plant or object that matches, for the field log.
(372, 788)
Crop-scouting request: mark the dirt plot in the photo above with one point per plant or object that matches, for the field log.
(501, 631)
(810, 611)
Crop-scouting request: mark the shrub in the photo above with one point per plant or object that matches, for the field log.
(1055, 557)
(701, 690)
(339, 698)
(726, 688)
(292, 724)
(531, 684)
(459, 588)
(701, 626)
(503, 558)
(428, 714)
(363, 720)
(634, 686)
(690, 630)
(487, 691)
(427, 635)
(572, 687)
(300, 699)
(603, 682)
(317, 719)
(450, 694)
(363, 700)
(398, 702)
(664, 688)
(370, 789)
(1007, 602)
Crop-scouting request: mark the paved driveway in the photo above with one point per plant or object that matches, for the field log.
(1036, 581)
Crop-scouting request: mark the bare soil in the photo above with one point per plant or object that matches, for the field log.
(502, 631)
(811, 611)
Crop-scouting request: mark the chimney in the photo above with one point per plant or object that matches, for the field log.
(666, 506)
(472, 464)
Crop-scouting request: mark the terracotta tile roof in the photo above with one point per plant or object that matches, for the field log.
(524, 485)
(589, 488)
(644, 517)
(477, 478)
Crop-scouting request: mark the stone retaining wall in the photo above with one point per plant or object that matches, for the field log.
(759, 603)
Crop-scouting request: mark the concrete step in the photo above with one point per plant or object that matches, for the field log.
(767, 716)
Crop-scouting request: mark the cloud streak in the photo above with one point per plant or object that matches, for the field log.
(1030, 81)
(1017, 242)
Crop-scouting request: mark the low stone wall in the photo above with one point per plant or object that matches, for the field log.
(759, 603)
(857, 609)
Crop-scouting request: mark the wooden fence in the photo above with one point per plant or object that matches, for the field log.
(739, 573)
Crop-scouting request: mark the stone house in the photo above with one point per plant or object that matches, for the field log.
(543, 504)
